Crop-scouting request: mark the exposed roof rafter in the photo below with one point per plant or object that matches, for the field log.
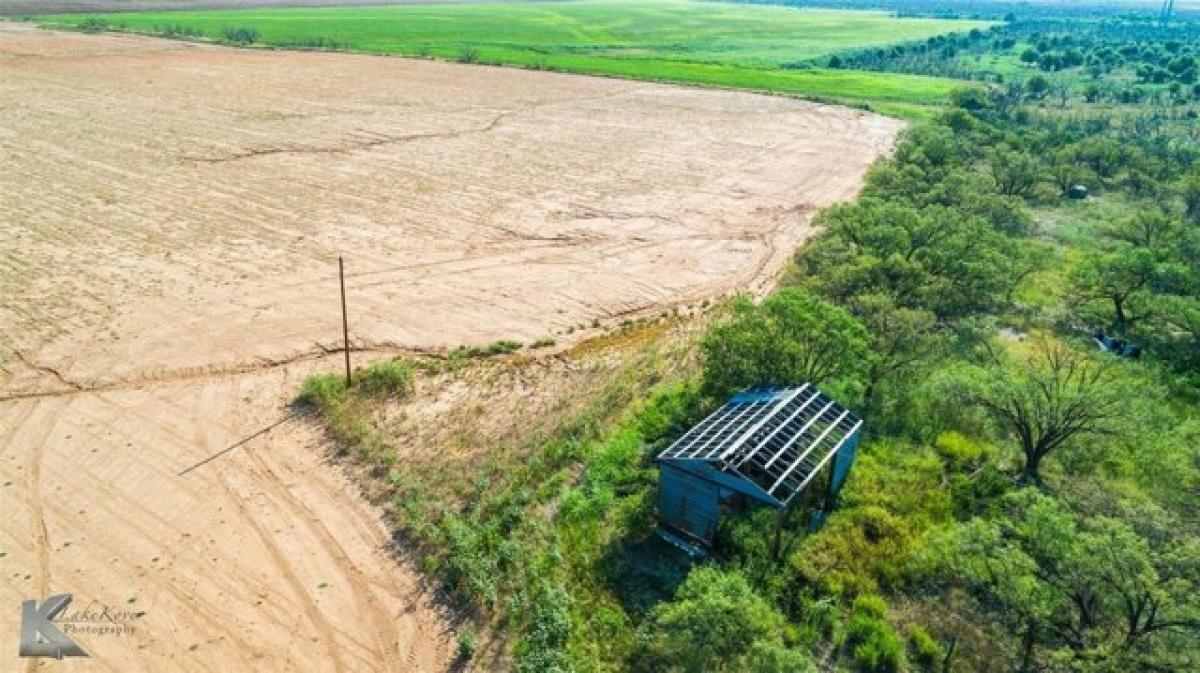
(775, 438)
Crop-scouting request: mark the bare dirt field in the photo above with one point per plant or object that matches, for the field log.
(170, 219)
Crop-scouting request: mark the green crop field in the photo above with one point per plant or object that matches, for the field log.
(756, 47)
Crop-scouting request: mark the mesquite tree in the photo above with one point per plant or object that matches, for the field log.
(1046, 399)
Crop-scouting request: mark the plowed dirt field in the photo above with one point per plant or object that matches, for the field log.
(170, 220)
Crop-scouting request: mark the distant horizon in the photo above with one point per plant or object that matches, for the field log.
(11, 7)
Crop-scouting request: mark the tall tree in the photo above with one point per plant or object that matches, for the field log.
(1089, 592)
(936, 258)
(1045, 400)
(792, 337)
(901, 340)
(1121, 279)
(1015, 173)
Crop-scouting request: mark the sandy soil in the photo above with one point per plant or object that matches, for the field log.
(170, 219)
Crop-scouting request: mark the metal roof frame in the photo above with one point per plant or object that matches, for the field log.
(775, 438)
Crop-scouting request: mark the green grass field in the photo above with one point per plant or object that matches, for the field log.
(757, 47)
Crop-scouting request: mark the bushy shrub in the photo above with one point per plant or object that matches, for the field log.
(858, 551)
(871, 606)
(669, 413)
(682, 635)
(767, 657)
(466, 644)
(391, 377)
(959, 450)
(926, 650)
(793, 337)
(501, 347)
(543, 649)
(974, 493)
(239, 35)
(177, 30)
(873, 643)
(321, 391)
(93, 24)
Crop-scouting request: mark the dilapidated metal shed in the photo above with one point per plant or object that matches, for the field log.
(768, 445)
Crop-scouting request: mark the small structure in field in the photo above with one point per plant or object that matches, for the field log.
(779, 447)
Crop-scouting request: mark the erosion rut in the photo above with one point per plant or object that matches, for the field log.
(170, 219)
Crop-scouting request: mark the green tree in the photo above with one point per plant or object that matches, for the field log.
(1038, 86)
(715, 621)
(1151, 229)
(901, 340)
(792, 337)
(1066, 172)
(1120, 279)
(1189, 192)
(1103, 155)
(936, 259)
(1090, 593)
(1045, 400)
(1015, 173)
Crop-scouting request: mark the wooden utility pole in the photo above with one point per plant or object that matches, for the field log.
(345, 322)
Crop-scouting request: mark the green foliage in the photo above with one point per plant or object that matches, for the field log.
(543, 650)
(1046, 399)
(466, 644)
(93, 24)
(383, 379)
(974, 493)
(175, 30)
(467, 55)
(793, 337)
(959, 450)
(1121, 280)
(945, 261)
(321, 391)
(239, 36)
(729, 45)
(1090, 587)
(501, 347)
(925, 649)
(390, 377)
(768, 657)
(860, 550)
(715, 620)
(873, 643)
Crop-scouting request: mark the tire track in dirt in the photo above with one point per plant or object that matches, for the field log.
(312, 612)
(380, 622)
(39, 533)
(164, 308)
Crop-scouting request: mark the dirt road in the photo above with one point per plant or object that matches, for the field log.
(170, 219)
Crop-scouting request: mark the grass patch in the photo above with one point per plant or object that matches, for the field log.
(547, 544)
(383, 379)
(501, 347)
(744, 46)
